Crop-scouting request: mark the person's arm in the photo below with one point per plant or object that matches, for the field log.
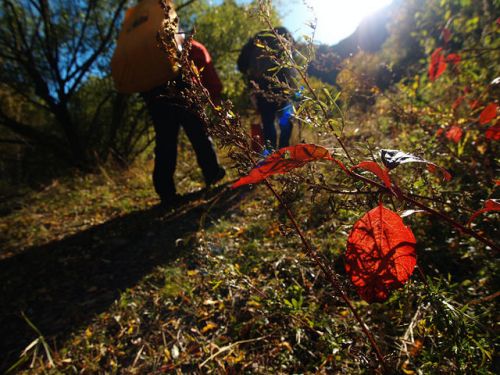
(208, 75)
(211, 81)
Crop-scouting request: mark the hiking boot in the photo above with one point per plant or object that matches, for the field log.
(219, 175)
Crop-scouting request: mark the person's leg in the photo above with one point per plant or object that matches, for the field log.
(203, 147)
(267, 112)
(166, 124)
(285, 122)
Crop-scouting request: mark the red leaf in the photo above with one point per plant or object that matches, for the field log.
(433, 168)
(457, 102)
(437, 65)
(454, 134)
(473, 104)
(489, 205)
(453, 58)
(446, 34)
(488, 114)
(285, 160)
(493, 133)
(380, 254)
(376, 169)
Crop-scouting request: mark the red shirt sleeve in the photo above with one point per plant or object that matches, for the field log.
(209, 77)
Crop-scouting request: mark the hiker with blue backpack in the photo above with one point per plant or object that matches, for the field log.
(270, 83)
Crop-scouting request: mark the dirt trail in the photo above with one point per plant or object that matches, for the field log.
(62, 285)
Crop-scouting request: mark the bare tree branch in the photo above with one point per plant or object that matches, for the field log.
(88, 63)
(187, 3)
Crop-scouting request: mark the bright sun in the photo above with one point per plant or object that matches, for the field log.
(337, 19)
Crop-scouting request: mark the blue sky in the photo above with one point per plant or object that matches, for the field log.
(336, 19)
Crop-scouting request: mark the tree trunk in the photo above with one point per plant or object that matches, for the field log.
(78, 151)
(120, 103)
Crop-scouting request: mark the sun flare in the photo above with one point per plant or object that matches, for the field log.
(336, 19)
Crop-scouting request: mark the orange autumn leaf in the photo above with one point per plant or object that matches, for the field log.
(209, 327)
(284, 160)
(381, 173)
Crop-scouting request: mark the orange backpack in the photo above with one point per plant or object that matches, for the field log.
(138, 64)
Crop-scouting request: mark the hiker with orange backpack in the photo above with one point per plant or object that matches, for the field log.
(140, 66)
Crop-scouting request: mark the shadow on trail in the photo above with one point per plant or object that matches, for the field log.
(62, 285)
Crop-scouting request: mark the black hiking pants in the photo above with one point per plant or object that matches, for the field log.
(168, 116)
(269, 110)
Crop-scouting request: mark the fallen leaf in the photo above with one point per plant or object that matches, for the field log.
(88, 333)
(175, 352)
(287, 346)
(380, 254)
(416, 348)
(208, 327)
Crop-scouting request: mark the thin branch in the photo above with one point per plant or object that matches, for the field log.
(331, 276)
(78, 44)
(430, 210)
(229, 347)
(337, 191)
(187, 3)
(83, 69)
